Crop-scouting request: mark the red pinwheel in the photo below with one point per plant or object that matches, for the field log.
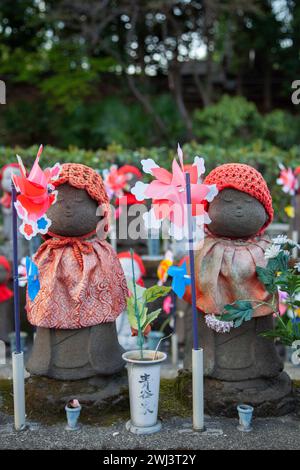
(35, 195)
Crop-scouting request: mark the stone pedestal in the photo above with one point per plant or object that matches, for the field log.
(76, 354)
(241, 366)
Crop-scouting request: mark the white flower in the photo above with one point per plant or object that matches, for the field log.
(218, 325)
(297, 267)
(272, 251)
(293, 244)
(148, 165)
(139, 189)
(280, 240)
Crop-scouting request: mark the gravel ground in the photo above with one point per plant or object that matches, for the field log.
(221, 433)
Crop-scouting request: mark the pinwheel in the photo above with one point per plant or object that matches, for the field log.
(181, 279)
(288, 180)
(168, 194)
(181, 197)
(164, 265)
(33, 283)
(32, 195)
(114, 182)
(35, 195)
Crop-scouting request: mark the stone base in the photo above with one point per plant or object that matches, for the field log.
(143, 430)
(102, 398)
(76, 354)
(268, 396)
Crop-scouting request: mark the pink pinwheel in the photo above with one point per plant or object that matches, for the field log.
(35, 195)
(288, 180)
(168, 192)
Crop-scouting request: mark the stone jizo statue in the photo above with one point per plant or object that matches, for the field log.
(83, 288)
(239, 364)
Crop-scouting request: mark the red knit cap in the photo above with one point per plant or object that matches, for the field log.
(244, 178)
(83, 177)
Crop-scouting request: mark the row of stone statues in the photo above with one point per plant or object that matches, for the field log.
(83, 287)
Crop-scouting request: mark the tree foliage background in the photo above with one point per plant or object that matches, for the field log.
(149, 72)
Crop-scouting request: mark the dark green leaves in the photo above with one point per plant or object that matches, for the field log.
(286, 331)
(270, 276)
(239, 312)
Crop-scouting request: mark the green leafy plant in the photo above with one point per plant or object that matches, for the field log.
(282, 282)
(138, 312)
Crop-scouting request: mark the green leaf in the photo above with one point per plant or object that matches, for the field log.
(239, 312)
(280, 263)
(139, 289)
(131, 313)
(151, 317)
(155, 292)
(267, 277)
(141, 312)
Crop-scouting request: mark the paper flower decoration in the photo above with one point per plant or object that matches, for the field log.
(33, 283)
(168, 194)
(181, 279)
(35, 195)
(288, 180)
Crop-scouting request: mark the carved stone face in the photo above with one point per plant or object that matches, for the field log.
(74, 213)
(236, 214)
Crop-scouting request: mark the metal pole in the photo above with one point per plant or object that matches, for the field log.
(17, 356)
(174, 337)
(197, 353)
(15, 272)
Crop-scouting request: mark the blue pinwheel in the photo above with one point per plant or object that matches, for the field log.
(33, 283)
(181, 279)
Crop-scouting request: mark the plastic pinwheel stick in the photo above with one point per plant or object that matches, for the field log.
(16, 275)
(197, 353)
(18, 355)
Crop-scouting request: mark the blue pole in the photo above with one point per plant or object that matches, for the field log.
(192, 261)
(15, 271)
